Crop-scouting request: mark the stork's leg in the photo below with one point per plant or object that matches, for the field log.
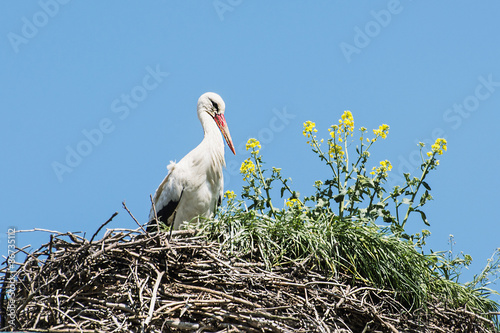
(172, 226)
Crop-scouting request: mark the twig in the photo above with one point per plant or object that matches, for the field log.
(154, 211)
(132, 216)
(183, 325)
(102, 226)
(153, 299)
(219, 293)
(40, 229)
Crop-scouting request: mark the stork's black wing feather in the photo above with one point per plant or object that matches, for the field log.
(164, 215)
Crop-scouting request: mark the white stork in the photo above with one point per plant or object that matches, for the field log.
(194, 186)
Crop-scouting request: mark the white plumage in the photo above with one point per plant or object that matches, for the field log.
(194, 186)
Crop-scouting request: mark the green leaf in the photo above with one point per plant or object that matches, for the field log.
(426, 185)
(338, 198)
(387, 217)
(366, 182)
(424, 198)
(424, 217)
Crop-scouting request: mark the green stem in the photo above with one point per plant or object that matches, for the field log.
(352, 199)
(397, 210)
(360, 156)
(266, 187)
(355, 166)
(403, 189)
(289, 189)
(424, 173)
(371, 198)
(346, 174)
(322, 155)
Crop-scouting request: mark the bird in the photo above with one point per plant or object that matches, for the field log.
(194, 186)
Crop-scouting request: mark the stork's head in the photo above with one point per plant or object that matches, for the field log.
(213, 104)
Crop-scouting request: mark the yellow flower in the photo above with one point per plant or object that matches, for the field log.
(309, 128)
(247, 168)
(439, 146)
(335, 151)
(230, 195)
(382, 169)
(293, 202)
(386, 165)
(346, 123)
(252, 143)
(382, 131)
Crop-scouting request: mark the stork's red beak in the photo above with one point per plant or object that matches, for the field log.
(220, 120)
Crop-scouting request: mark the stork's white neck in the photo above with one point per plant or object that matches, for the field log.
(213, 140)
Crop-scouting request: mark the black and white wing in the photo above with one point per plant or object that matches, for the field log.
(166, 200)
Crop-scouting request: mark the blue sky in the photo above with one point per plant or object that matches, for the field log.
(98, 97)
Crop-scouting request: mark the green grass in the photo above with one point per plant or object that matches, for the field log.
(334, 246)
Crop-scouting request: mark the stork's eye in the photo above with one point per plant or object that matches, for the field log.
(215, 105)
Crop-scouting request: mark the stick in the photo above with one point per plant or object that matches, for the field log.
(221, 294)
(153, 299)
(130, 213)
(102, 226)
(156, 216)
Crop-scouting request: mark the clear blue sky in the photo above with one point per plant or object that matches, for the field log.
(117, 82)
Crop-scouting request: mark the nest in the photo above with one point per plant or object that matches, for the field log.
(130, 281)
